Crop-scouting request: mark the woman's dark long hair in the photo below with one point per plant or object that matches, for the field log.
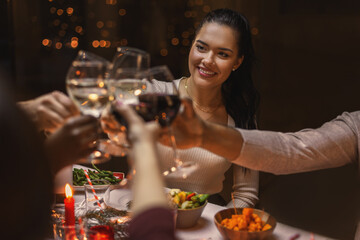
(239, 94)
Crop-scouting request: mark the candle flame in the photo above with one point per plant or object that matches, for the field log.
(68, 191)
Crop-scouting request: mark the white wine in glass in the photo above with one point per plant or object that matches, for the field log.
(87, 87)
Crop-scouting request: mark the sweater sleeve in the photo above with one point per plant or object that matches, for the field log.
(334, 144)
(245, 188)
(153, 224)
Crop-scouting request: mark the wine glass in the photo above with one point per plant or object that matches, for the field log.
(154, 96)
(129, 57)
(86, 85)
(128, 62)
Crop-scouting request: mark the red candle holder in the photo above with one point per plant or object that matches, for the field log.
(101, 232)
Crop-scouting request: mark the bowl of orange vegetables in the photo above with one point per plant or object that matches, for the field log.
(245, 223)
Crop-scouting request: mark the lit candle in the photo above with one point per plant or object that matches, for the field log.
(69, 207)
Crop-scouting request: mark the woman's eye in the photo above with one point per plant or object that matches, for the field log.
(222, 54)
(200, 48)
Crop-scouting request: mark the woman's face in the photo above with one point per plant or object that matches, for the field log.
(213, 55)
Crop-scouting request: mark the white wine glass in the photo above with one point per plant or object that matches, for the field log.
(86, 85)
(128, 62)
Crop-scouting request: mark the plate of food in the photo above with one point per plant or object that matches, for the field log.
(97, 177)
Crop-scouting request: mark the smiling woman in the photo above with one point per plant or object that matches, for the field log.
(222, 91)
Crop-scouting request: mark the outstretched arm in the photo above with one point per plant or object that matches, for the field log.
(332, 145)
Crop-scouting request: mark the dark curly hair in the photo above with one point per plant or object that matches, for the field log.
(240, 97)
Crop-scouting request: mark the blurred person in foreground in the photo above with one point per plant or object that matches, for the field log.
(150, 201)
(70, 136)
(28, 163)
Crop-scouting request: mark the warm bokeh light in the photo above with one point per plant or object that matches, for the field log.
(97, 153)
(58, 45)
(100, 24)
(78, 29)
(93, 97)
(95, 43)
(69, 10)
(45, 42)
(102, 43)
(101, 84)
(59, 12)
(122, 12)
(163, 52)
(108, 44)
(52, 10)
(68, 191)
(175, 41)
(74, 44)
(137, 92)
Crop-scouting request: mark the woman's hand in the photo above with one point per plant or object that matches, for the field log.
(49, 111)
(109, 123)
(72, 142)
(138, 129)
(187, 127)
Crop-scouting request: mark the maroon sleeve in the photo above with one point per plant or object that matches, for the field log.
(153, 224)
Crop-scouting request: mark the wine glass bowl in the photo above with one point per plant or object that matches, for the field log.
(87, 88)
(129, 57)
(86, 85)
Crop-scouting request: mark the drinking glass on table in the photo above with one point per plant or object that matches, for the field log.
(154, 96)
(86, 85)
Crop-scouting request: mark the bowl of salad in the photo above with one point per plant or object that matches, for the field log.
(190, 206)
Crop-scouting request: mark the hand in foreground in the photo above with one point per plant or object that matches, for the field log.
(72, 142)
(49, 111)
(109, 123)
(138, 129)
(187, 127)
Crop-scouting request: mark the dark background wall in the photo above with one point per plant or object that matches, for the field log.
(307, 73)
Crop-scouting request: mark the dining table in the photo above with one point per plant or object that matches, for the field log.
(205, 228)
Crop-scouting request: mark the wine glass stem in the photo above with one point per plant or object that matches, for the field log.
(177, 160)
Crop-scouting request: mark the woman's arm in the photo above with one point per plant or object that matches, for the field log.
(332, 145)
(148, 186)
(245, 187)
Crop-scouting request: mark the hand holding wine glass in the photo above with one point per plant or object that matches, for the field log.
(154, 96)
